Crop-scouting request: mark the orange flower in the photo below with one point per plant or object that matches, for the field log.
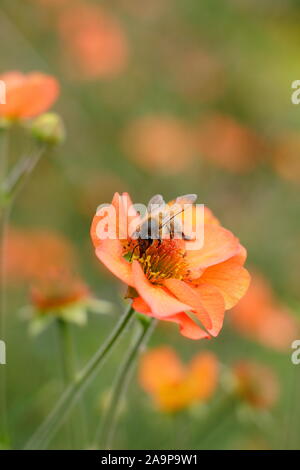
(259, 316)
(228, 144)
(56, 290)
(32, 254)
(286, 156)
(166, 279)
(160, 143)
(28, 95)
(256, 384)
(94, 41)
(173, 385)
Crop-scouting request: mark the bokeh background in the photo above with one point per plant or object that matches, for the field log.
(170, 97)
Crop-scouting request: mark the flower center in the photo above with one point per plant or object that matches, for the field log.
(163, 260)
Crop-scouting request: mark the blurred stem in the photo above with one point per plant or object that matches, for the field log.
(19, 175)
(69, 369)
(4, 218)
(74, 392)
(67, 351)
(10, 184)
(217, 418)
(4, 434)
(106, 431)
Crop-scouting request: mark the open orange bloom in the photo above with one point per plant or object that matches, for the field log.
(28, 95)
(166, 280)
(256, 384)
(259, 316)
(173, 385)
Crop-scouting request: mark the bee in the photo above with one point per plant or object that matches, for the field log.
(160, 221)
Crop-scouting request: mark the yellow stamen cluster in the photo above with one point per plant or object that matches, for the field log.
(163, 260)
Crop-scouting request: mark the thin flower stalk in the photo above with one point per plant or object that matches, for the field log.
(4, 217)
(106, 431)
(74, 392)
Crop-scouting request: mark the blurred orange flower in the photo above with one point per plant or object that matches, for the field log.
(286, 158)
(228, 144)
(260, 317)
(28, 95)
(160, 143)
(93, 40)
(166, 279)
(32, 254)
(173, 385)
(57, 289)
(256, 384)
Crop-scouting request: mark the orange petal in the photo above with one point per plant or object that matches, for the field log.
(219, 245)
(122, 204)
(139, 305)
(158, 368)
(187, 326)
(110, 254)
(161, 303)
(206, 301)
(230, 278)
(28, 95)
(213, 303)
(188, 294)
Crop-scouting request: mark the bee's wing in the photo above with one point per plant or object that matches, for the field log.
(186, 199)
(179, 203)
(156, 200)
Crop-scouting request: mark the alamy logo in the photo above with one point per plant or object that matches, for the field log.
(2, 92)
(295, 357)
(2, 353)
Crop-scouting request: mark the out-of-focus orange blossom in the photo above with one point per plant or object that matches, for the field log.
(56, 290)
(28, 95)
(286, 157)
(173, 385)
(31, 254)
(229, 144)
(93, 41)
(260, 317)
(256, 384)
(197, 74)
(160, 143)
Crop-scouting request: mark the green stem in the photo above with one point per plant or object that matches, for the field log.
(106, 431)
(19, 175)
(4, 433)
(68, 367)
(4, 218)
(67, 351)
(217, 419)
(77, 426)
(74, 392)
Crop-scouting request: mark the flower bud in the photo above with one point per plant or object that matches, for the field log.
(48, 128)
